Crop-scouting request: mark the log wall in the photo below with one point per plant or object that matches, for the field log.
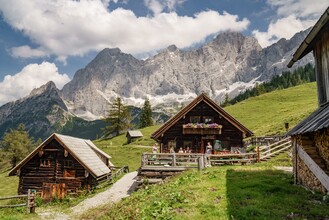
(321, 54)
(53, 165)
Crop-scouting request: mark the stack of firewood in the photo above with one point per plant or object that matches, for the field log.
(306, 178)
(322, 143)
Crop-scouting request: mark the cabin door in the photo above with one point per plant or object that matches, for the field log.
(53, 190)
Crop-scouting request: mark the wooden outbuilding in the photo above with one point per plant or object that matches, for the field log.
(311, 136)
(132, 135)
(62, 165)
(198, 123)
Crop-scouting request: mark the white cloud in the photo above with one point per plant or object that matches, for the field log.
(300, 8)
(30, 77)
(292, 16)
(65, 27)
(27, 52)
(158, 6)
(282, 28)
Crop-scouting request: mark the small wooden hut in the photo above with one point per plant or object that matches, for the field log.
(200, 122)
(132, 135)
(311, 136)
(62, 164)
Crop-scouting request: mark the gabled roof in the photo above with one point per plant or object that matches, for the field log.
(318, 120)
(134, 133)
(203, 97)
(82, 150)
(308, 43)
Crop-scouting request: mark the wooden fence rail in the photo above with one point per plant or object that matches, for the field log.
(196, 160)
(124, 169)
(30, 201)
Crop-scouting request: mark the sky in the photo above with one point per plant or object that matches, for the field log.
(43, 40)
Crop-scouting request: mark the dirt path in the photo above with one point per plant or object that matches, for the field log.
(122, 188)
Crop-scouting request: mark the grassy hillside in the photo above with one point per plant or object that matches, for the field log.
(128, 154)
(229, 192)
(266, 114)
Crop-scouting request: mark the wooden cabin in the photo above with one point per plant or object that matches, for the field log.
(200, 122)
(62, 164)
(133, 135)
(311, 136)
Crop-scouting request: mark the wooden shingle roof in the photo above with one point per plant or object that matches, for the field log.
(203, 97)
(134, 133)
(82, 150)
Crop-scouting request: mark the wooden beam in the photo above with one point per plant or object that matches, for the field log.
(316, 170)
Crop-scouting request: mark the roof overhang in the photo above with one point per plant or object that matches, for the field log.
(308, 43)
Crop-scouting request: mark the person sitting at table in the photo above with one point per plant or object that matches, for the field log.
(180, 150)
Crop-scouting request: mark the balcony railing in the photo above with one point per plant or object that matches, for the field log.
(202, 129)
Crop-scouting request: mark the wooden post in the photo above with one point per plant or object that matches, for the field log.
(205, 160)
(200, 163)
(258, 154)
(174, 159)
(30, 204)
(143, 160)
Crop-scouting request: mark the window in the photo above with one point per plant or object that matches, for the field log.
(208, 119)
(68, 163)
(195, 119)
(45, 163)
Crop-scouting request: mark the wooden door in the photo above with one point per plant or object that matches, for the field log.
(53, 190)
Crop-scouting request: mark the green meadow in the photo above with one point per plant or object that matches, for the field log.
(256, 191)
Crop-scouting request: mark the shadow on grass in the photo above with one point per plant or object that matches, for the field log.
(270, 194)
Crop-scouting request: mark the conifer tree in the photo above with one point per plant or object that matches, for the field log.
(118, 118)
(17, 144)
(145, 117)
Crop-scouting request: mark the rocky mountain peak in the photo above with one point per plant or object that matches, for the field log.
(172, 48)
(174, 75)
(49, 86)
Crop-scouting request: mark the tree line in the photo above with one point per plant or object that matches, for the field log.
(287, 79)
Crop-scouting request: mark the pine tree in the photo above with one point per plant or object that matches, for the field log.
(145, 117)
(118, 118)
(226, 101)
(17, 144)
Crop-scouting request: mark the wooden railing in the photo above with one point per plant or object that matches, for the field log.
(30, 201)
(120, 170)
(268, 151)
(196, 160)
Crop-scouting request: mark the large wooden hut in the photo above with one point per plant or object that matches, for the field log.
(200, 122)
(311, 136)
(62, 164)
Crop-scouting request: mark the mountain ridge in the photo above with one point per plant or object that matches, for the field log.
(177, 76)
(228, 64)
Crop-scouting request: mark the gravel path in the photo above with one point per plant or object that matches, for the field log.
(286, 169)
(122, 188)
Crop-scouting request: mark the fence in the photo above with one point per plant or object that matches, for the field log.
(264, 140)
(121, 170)
(30, 201)
(200, 161)
(266, 152)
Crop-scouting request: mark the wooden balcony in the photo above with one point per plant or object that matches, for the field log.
(202, 130)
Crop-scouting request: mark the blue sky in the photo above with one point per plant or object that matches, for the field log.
(42, 40)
